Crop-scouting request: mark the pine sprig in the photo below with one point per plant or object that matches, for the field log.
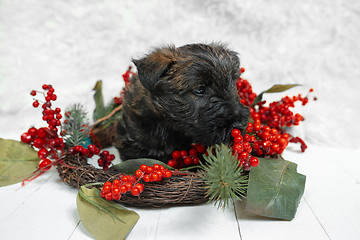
(224, 178)
(76, 128)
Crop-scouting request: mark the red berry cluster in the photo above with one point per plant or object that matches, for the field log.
(48, 143)
(46, 139)
(126, 76)
(242, 148)
(266, 140)
(182, 158)
(152, 174)
(113, 191)
(105, 157)
(278, 114)
(245, 91)
(51, 116)
(299, 140)
(126, 183)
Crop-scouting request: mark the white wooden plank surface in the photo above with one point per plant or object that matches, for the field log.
(46, 208)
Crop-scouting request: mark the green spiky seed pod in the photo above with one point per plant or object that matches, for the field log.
(75, 128)
(224, 178)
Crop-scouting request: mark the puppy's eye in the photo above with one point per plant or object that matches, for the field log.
(200, 90)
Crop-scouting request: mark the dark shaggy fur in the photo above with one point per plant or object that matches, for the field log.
(181, 96)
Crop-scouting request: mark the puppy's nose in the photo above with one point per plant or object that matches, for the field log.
(239, 124)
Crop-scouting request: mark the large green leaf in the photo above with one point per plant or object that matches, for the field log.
(275, 189)
(130, 166)
(273, 89)
(104, 220)
(17, 161)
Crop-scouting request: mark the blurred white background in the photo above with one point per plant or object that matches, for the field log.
(72, 44)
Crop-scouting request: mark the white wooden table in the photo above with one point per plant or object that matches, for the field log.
(329, 209)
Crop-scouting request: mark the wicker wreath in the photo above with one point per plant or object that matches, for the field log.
(181, 188)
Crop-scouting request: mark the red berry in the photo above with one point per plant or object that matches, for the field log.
(135, 191)
(156, 167)
(254, 161)
(275, 147)
(193, 152)
(35, 104)
(238, 139)
(265, 144)
(41, 132)
(53, 97)
(45, 86)
(38, 142)
(149, 170)
(115, 191)
(117, 197)
(42, 153)
(71, 150)
(265, 136)
(168, 174)
(33, 93)
(128, 186)
(77, 148)
(131, 178)
(235, 132)
(105, 153)
(282, 143)
(286, 136)
(266, 128)
(257, 127)
(101, 162)
(143, 167)
(200, 148)
(124, 179)
(154, 177)
(244, 155)
(108, 158)
(25, 137)
(176, 155)
(187, 160)
(107, 184)
(171, 163)
(108, 196)
(196, 160)
(84, 151)
(44, 163)
(159, 173)
(116, 182)
(146, 178)
(140, 187)
(32, 131)
(123, 189)
(138, 173)
(238, 147)
(183, 153)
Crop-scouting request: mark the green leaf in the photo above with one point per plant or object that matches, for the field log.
(104, 219)
(99, 110)
(17, 161)
(273, 89)
(275, 189)
(130, 166)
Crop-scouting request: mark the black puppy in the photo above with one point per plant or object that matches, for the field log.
(181, 96)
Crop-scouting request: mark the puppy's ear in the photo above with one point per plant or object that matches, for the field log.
(155, 66)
